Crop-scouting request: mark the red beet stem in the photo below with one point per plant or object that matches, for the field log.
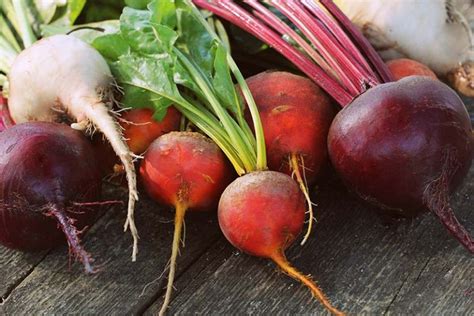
(72, 236)
(272, 20)
(318, 34)
(241, 18)
(5, 119)
(379, 66)
(345, 42)
(310, 30)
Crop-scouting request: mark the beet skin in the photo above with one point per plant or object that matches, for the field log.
(405, 146)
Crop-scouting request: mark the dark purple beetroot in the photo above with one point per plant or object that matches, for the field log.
(46, 170)
(405, 146)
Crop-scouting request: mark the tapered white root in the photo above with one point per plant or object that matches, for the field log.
(99, 115)
(178, 227)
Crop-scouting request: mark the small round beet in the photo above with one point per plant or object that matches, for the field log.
(262, 213)
(405, 146)
(140, 128)
(404, 67)
(188, 171)
(296, 115)
(47, 172)
(185, 168)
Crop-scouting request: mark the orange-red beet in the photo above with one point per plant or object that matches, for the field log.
(184, 167)
(143, 129)
(296, 116)
(404, 67)
(184, 170)
(261, 213)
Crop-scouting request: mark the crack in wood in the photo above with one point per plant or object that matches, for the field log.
(396, 295)
(10, 289)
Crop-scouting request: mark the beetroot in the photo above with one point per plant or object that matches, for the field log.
(296, 115)
(404, 67)
(140, 129)
(405, 146)
(262, 213)
(187, 171)
(48, 176)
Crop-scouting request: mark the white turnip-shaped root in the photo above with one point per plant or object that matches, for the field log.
(63, 75)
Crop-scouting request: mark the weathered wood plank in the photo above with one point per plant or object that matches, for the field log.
(122, 287)
(197, 275)
(445, 283)
(362, 265)
(14, 267)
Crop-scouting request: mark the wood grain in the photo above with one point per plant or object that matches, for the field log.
(363, 266)
(122, 287)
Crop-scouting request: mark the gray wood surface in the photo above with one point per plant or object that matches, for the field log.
(365, 263)
(362, 263)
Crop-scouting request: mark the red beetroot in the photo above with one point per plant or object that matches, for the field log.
(405, 146)
(187, 171)
(140, 129)
(262, 213)
(296, 115)
(48, 176)
(404, 67)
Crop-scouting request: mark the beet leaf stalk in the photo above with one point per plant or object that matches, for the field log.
(326, 53)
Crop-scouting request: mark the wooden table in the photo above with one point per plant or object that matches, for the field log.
(364, 263)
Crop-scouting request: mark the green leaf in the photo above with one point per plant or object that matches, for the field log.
(135, 97)
(136, 29)
(137, 4)
(164, 13)
(68, 14)
(111, 46)
(74, 9)
(150, 73)
(223, 84)
(167, 55)
(195, 41)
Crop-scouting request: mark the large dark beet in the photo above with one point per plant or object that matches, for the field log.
(45, 170)
(405, 146)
